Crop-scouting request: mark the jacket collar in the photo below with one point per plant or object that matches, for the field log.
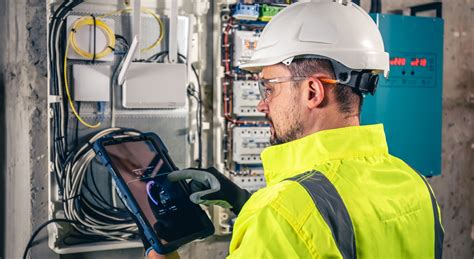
(301, 155)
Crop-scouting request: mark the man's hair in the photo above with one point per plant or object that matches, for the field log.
(349, 100)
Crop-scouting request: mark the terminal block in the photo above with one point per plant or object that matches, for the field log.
(268, 11)
(246, 12)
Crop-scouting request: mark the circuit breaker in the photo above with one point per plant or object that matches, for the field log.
(249, 142)
(246, 98)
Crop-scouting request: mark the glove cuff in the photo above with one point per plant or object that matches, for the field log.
(148, 250)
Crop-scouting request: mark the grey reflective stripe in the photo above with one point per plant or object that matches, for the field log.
(439, 232)
(332, 209)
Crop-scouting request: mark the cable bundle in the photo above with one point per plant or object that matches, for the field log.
(93, 217)
(97, 217)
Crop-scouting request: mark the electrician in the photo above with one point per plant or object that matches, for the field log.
(333, 190)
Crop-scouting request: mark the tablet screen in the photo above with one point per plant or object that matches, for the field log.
(164, 204)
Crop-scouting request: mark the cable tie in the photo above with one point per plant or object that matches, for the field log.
(112, 48)
(59, 138)
(95, 41)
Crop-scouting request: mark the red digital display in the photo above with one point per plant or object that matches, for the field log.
(396, 61)
(418, 62)
(414, 62)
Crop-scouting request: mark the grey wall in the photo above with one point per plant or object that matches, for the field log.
(23, 48)
(23, 125)
(2, 147)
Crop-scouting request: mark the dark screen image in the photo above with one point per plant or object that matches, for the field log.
(164, 204)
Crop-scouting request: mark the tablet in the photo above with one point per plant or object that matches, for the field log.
(139, 166)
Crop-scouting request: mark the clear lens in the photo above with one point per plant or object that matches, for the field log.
(266, 87)
(261, 89)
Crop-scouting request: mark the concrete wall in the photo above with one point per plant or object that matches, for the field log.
(23, 63)
(23, 124)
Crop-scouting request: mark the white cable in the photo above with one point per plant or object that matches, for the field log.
(74, 179)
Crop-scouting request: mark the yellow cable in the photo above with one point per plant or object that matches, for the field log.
(66, 83)
(87, 20)
(160, 23)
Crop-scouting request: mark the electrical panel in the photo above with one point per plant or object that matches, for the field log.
(241, 132)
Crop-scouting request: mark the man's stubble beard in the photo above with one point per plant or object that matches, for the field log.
(295, 131)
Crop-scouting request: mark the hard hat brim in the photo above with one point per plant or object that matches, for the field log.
(375, 61)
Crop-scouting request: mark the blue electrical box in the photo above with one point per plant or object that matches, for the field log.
(409, 102)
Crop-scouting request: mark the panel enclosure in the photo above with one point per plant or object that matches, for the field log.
(97, 99)
(409, 102)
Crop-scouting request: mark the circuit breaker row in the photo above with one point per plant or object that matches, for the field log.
(250, 134)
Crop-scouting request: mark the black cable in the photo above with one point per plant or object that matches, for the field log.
(200, 117)
(45, 224)
(76, 137)
(192, 93)
(120, 37)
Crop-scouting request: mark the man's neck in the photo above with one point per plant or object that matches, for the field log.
(332, 122)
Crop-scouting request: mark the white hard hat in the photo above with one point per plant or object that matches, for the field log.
(341, 32)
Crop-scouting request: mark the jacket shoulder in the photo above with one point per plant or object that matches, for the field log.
(287, 198)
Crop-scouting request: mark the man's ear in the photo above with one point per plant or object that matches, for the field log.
(315, 92)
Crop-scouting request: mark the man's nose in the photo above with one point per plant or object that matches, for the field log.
(262, 106)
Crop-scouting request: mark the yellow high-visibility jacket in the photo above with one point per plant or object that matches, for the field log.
(338, 194)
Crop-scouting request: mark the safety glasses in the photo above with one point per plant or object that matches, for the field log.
(267, 88)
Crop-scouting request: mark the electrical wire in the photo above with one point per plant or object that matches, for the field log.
(102, 219)
(37, 231)
(58, 110)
